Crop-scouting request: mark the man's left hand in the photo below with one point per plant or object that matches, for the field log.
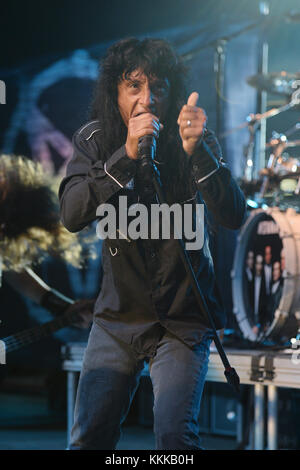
(191, 121)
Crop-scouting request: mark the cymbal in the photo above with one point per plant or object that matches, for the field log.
(279, 83)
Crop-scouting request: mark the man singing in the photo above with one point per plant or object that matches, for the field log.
(146, 309)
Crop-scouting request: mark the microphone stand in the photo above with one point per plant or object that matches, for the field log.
(151, 172)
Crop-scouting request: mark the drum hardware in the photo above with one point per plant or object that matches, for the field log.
(249, 150)
(283, 137)
(281, 176)
(278, 149)
(253, 119)
(276, 232)
(278, 83)
(279, 142)
(253, 122)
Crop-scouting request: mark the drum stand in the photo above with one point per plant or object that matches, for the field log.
(279, 148)
(279, 142)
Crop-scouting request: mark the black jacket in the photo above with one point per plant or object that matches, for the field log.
(144, 281)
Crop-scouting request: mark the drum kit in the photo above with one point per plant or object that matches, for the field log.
(266, 268)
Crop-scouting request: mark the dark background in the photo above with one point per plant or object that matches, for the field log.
(30, 29)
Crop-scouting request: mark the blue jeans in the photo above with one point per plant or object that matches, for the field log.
(109, 378)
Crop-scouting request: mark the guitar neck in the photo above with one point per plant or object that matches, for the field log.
(26, 337)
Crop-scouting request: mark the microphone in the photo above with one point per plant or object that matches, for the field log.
(146, 148)
(146, 156)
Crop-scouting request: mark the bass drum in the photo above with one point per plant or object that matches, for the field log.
(266, 276)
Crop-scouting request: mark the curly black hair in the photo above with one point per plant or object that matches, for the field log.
(155, 57)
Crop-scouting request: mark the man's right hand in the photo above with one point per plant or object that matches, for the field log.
(139, 126)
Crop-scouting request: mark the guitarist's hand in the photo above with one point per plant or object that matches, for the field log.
(84, 309)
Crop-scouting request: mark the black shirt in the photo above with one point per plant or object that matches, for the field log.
(144, 281)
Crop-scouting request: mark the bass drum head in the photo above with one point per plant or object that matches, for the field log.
(265, 276)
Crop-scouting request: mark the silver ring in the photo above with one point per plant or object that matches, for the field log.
(189, 123)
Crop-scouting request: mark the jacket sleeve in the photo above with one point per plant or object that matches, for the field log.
(89, 181)
(221, 194)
